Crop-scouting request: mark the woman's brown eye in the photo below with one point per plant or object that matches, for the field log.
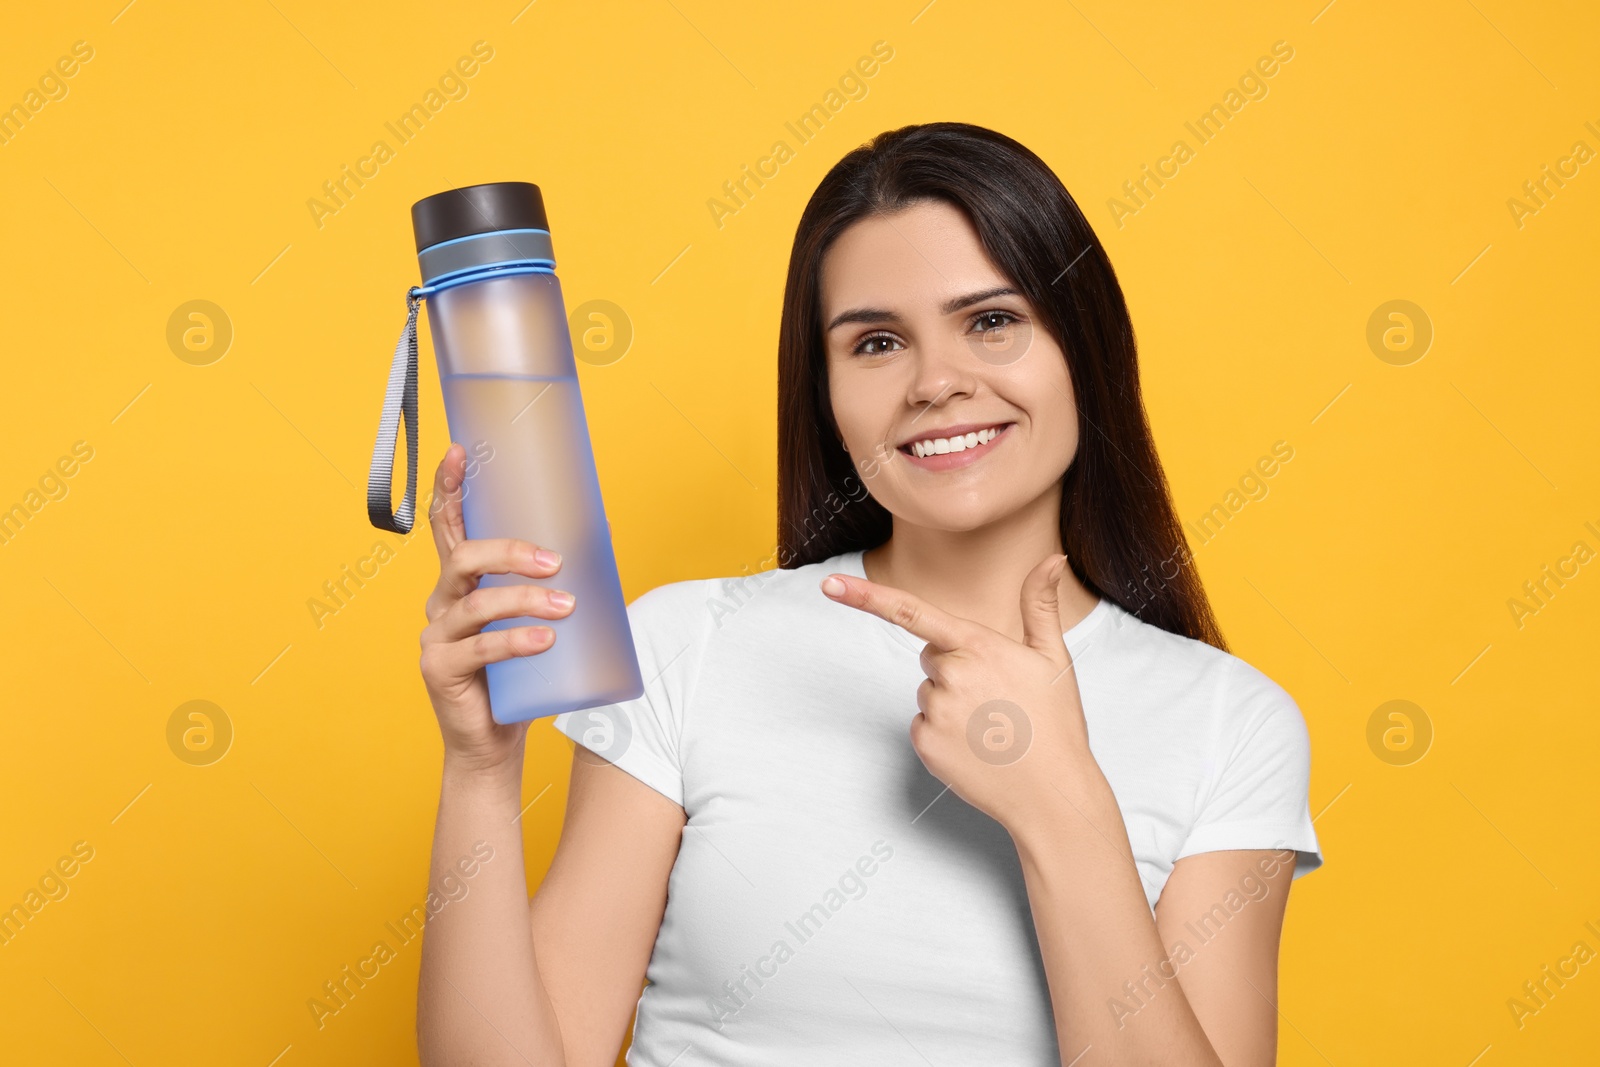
(861, 348)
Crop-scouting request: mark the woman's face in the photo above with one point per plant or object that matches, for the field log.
(927, 343)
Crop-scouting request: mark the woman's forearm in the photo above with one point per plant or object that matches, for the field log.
(1096, 932)
(480, 997)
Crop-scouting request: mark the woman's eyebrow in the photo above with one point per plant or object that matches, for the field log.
(949, 307)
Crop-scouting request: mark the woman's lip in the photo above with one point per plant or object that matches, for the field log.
(960, 430)
(952, 460)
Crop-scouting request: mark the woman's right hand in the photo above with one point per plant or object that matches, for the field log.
(454, 650)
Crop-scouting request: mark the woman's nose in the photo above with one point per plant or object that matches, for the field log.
(941, 371)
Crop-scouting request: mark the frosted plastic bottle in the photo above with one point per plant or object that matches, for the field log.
(506, 366)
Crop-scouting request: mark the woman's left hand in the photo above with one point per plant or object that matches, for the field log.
(1001, 721)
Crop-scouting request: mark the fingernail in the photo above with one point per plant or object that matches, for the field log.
(561, 598)
(546, 558)
(832, 586)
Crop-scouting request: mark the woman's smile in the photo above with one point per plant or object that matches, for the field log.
(957, 446)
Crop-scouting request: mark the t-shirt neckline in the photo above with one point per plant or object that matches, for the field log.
(1075, 635)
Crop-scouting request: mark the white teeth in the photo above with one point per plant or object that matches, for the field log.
(938, 446)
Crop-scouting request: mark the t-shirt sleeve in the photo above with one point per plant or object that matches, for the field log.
(641, 735)
(1257, 795)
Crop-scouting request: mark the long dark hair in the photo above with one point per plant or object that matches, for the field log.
(1118, 526)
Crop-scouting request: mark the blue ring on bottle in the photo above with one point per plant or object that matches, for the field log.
(478, 274)
(446, 261)
(476, 236)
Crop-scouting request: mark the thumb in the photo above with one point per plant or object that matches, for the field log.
(1041, 609)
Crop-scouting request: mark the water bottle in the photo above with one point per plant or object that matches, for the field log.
(510, 386)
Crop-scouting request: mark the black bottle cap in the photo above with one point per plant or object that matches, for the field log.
(477, 209)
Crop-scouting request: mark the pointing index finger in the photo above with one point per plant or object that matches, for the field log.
(905, 610)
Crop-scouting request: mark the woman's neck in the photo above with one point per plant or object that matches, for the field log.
(976, 574)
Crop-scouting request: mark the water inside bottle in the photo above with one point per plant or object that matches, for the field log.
(540, 485)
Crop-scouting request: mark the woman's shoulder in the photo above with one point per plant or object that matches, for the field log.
(699, 607)
(1229, 686)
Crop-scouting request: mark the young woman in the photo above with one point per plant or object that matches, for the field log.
(970, 777)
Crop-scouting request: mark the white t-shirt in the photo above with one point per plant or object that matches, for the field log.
(832, 902)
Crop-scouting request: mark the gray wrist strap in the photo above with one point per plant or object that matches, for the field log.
(399, 399)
